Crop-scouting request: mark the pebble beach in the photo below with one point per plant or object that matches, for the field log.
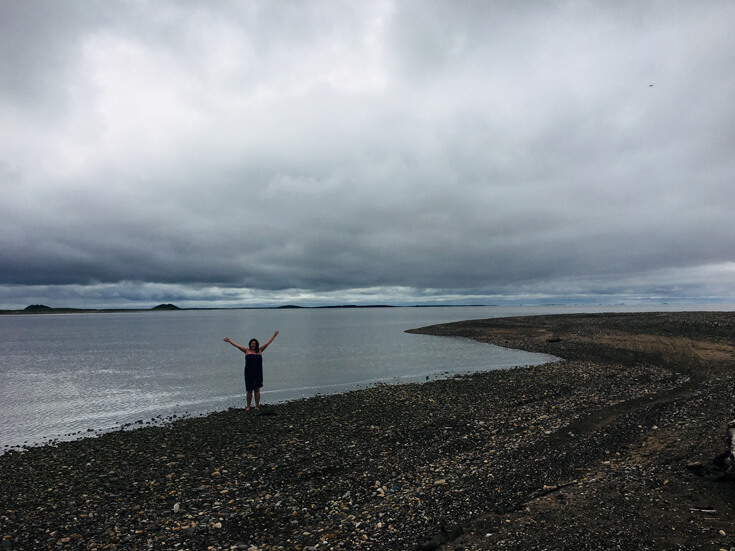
(614, 446)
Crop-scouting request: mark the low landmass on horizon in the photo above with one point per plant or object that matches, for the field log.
(43, 309)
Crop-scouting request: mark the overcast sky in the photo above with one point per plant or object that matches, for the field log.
(268, 152)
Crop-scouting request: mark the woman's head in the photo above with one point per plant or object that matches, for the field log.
(254, 344)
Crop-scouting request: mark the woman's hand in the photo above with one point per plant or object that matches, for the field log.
(227, 339)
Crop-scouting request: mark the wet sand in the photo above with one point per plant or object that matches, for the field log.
(613, 447)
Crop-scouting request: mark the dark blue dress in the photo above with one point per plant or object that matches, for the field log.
(253, 371)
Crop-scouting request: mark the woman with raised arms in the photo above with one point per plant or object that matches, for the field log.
(253, 367)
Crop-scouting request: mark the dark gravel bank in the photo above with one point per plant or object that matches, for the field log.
(611, 448)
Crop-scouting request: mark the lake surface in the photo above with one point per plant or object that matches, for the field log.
(63, 376)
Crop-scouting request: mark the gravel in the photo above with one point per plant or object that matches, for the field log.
(613, 447)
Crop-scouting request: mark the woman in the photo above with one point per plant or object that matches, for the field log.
(253, 367)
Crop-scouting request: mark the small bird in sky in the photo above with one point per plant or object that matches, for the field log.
(651, 85)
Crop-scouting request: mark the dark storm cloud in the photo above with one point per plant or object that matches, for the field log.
(244, 152)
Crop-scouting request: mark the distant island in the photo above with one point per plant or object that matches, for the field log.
(36, 308)
(166, 307)
(294, 306)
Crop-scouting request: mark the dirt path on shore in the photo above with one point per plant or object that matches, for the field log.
(672, 349)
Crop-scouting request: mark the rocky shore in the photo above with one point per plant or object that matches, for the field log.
(613, 447)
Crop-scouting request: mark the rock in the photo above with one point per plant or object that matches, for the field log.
(445, 535)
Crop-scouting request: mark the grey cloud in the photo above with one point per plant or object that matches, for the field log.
(478, 149)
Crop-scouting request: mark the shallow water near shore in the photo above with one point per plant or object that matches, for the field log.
(67, 376)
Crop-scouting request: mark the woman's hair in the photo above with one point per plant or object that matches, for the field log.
(257, 344)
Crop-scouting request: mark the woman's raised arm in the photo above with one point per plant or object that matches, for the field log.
(242, 348)
(269, 341)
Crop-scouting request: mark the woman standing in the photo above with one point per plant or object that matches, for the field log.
(253, 367)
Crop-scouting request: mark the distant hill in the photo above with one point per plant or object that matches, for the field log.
(166, 307)
(36, 307)
(357, 306)
(291, 306)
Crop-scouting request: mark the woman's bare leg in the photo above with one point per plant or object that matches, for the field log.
(250, 399)
(257, 398)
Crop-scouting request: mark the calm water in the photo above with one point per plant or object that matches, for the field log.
(61, 375)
